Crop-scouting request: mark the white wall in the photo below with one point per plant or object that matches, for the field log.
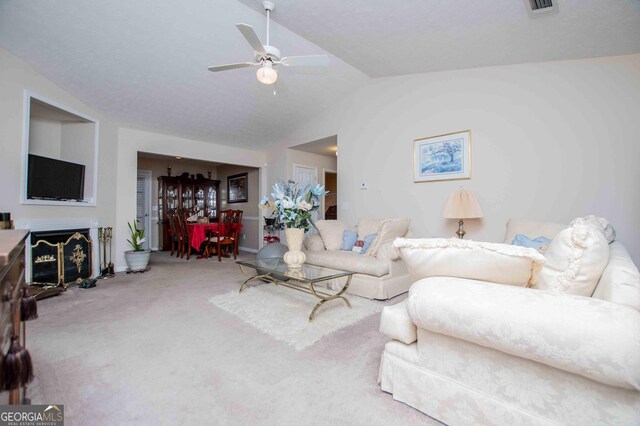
(45, 137)
(117, 156)
(550, 141)
(15, 77)
(131, 141)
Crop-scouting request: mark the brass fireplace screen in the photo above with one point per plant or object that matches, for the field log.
(61, 263)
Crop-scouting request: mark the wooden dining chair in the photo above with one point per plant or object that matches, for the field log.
(227, 234)
(238, 227)
(184, 232)
(173, 233)
(180, 242)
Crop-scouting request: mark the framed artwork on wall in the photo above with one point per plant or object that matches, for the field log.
(237, 188)
(443, 157)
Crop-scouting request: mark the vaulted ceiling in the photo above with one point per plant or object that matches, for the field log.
(144, 62)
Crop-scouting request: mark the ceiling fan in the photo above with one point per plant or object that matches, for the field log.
(268, 57)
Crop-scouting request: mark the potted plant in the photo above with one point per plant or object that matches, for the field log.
(138, 258)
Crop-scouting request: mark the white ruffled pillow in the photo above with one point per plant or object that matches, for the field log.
(575, 260)
(331, 233)
(599, 223)
(494, 262)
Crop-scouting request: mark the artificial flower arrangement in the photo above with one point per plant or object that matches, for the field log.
(294, 202)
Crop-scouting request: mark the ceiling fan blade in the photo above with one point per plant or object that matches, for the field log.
(306, 61)
(251, 36)
(232, 66)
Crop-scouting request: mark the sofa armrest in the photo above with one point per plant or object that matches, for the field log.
(390, 254)
(314, 243)
(396, 323)
(593, 338)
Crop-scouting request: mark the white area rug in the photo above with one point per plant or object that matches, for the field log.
(283, 313)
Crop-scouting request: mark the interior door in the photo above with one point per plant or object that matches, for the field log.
(307, 175)
(143, 205)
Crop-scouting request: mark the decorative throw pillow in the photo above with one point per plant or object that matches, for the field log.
(532, 229)
(357, 247)
(368, 227)
(575, 260)
(494, 262)
(368, 240)
(313, 242)
(390, 229)
(599, 223)
(349, 239)
(536, 243)
(331, 233)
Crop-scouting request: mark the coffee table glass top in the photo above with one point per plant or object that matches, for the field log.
(307, 273)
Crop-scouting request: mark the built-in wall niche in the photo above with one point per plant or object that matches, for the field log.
(60, 147)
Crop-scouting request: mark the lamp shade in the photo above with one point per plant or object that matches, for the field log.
(462, 204)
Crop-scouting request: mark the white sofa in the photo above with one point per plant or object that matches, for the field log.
(468, 352)
(381, 276)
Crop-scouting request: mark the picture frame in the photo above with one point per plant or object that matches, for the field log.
(237, 188)
(443, 157)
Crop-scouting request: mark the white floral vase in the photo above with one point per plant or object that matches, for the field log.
(294, 258)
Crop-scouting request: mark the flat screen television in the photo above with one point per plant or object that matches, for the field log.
(51, 179)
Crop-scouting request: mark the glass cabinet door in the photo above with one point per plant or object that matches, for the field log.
(160, 201)
(172, 197)
(187, 197)
(199, 200)
(212, 202)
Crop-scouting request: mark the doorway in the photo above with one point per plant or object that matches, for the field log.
(320, 159)
(329, 205)
(143, 205)
(307, 175)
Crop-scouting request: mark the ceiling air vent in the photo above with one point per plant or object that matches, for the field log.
(541, 7)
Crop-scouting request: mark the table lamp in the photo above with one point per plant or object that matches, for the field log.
(462, 204)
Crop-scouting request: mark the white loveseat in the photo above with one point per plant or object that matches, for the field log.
(380, 276)
(468, 352)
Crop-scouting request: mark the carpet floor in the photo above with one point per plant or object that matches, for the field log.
(283, 313)
(151, 349)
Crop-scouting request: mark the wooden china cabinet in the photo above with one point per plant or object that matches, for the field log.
(196, 194)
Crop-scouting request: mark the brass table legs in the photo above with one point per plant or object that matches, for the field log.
(326, 297)
(323, 296)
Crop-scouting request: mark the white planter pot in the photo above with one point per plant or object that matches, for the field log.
(137, 260)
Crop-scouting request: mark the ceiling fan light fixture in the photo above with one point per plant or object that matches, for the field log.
(266, 74)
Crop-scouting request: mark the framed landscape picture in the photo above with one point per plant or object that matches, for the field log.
(237, 188)
(444, 157)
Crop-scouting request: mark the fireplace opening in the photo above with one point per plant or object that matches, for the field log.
(60, 257)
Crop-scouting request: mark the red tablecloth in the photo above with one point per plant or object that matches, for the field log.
(198, 232)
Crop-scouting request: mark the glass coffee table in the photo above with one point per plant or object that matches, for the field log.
(306, 279)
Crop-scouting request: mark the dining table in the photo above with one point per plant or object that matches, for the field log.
(198, 232)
